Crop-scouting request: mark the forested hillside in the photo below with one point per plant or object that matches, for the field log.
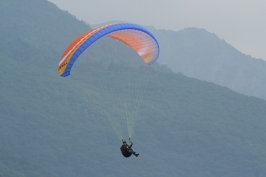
(39, 22)
(15, 166)
(51, 126)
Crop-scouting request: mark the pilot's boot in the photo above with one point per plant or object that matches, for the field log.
(135, 154)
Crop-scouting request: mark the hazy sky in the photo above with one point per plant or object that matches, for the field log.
(241, 23)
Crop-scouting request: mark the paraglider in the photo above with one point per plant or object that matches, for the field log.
(127, 150)
(138, 39)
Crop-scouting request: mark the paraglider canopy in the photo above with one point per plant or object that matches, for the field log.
(135, 36)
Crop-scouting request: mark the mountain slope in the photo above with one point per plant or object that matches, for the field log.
(195, 128)
(39, 22)
(14, 166)
(199, 54)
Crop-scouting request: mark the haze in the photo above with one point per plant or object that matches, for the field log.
(241, 23)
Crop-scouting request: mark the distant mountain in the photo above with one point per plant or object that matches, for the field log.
(186, 127)
(199, 54)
